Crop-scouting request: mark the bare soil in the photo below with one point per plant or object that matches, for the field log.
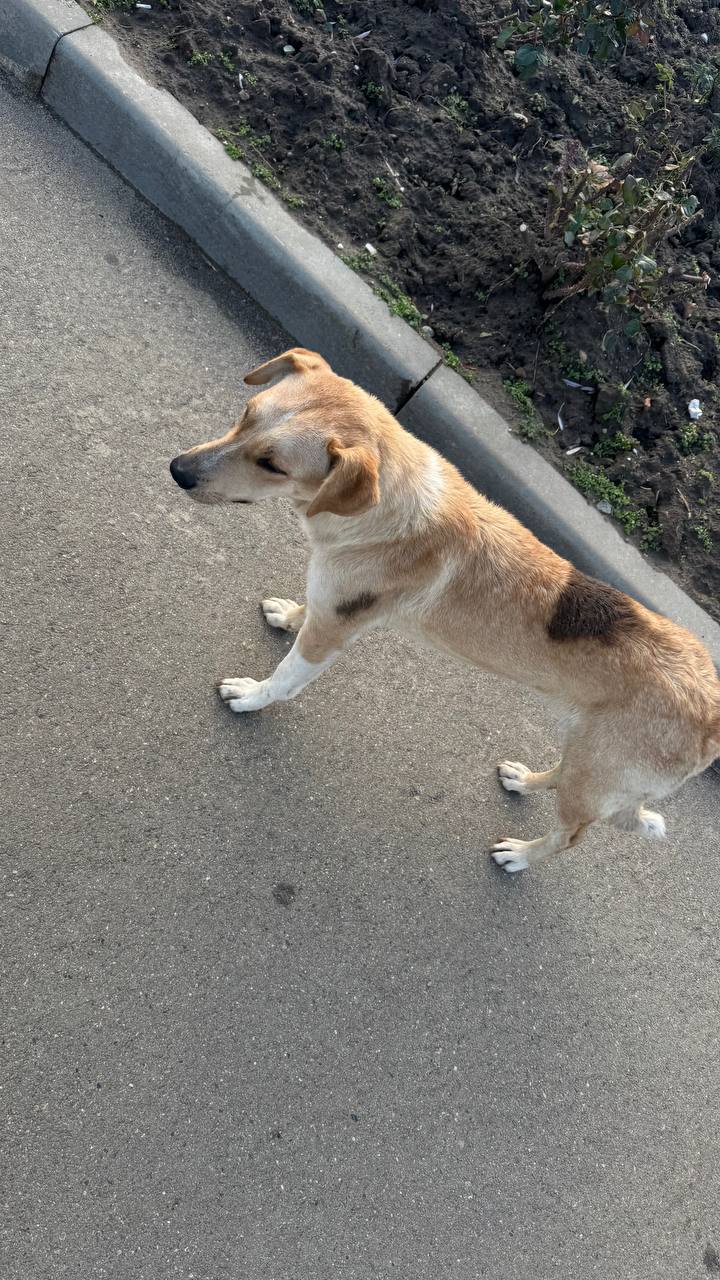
(401, 124)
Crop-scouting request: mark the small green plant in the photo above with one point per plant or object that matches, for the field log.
(373, 92)
(265, 175)
(596, 28)
(226, 61)
(611, 446)
(693, 440)
(388, 194)
(360, 262)
(458, 109)
(611, 223)
(665, 82)
(703, 535)
(652, 538)
(707, 476)
(592, 481)
(307, 8)
(250, 79)
(531, 426)
(333, 142)
(453, 361)
(101, 7)
(702, 78)
(651, 368)
(249, 140)
(573, 366)
(294, 202)
(200, 59)
(616, 414)
(397, 301)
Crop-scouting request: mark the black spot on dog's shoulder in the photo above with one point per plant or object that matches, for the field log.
(348, 608)
(590, 610)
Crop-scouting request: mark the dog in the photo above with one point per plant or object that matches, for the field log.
(399, 539)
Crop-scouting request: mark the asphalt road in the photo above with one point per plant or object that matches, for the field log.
(270, 1013)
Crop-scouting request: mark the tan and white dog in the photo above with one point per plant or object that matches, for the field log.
(399, 539)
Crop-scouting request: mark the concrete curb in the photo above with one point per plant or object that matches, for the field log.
(162, 151)
(29, 32)
(183, 170)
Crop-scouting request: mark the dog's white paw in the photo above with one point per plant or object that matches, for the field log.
(510, 855)
(285, 614)
(243, 694)
(513, 775)
(651, 825)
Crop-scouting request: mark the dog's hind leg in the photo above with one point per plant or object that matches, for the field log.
(586, 793)
(518, 855)
(517, 777)
(642, 822)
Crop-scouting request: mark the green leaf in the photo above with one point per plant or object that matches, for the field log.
(506, 34)
(633, 327)
(527, 58)
(689, 205)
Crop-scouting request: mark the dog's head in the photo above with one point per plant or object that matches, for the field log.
(308, 437)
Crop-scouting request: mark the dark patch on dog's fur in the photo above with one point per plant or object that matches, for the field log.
(590, 610)
(348, 608)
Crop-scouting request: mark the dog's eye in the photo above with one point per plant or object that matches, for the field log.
(268, 465)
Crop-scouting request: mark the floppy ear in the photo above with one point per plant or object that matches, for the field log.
(297, 360)
(352, 485)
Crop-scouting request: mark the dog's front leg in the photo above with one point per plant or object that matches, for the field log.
(318, 645)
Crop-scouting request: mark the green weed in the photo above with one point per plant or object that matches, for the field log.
(652, 538)
(613, 445)
(703, 535)
(333, 142)
(397, 301)
(265, 175)
(531, 426)
(612, 222)
(458, 109)
(388, 194)
(453, 361)
(360, 262)
(693, 440)
(249, 140)
(200, 59)
(600, 30)
(373, 92)
(592, 481)
(702, 77)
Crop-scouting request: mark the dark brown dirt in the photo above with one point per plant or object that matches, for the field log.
(402, 124)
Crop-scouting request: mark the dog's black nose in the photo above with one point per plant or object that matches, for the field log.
(183, 475)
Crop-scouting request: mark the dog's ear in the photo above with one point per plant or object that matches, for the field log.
(352, 484)
(297, 360)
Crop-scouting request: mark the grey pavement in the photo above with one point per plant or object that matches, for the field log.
(270, 1013)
